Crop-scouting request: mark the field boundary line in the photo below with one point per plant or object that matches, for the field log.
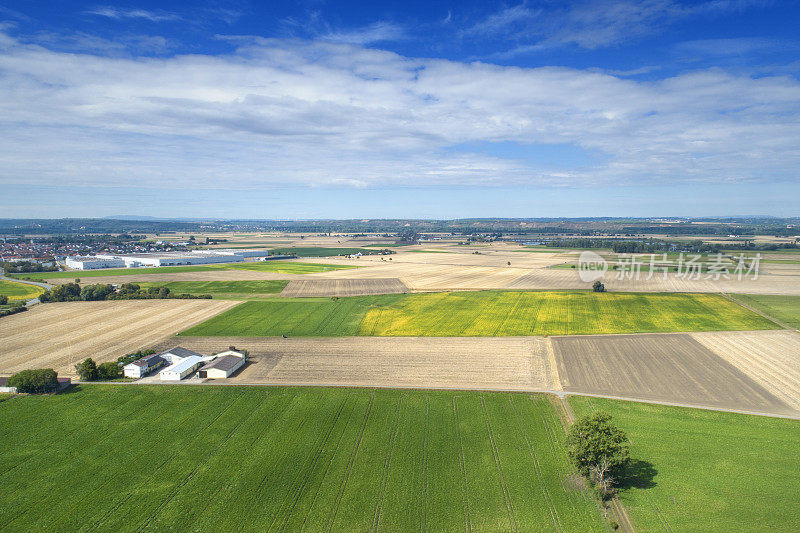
(376, 517)
(350, 464)
(759, 312)
(512, 518)
(462, 464)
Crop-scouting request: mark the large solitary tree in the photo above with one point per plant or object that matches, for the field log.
(599, 449)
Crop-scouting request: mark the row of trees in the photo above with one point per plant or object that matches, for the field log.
(88, 370)
(69, 292)
(20, 267)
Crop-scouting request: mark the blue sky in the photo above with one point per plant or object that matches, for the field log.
(399, 109)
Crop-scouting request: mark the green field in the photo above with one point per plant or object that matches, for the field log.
(784, 308)
(484, 313)
(282, 267)
(122, 458)
(19, 291)
(222, 288)
(707, 471)
(115, 272)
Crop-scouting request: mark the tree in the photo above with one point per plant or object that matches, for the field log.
(37, 381)
(3, 299)
(108, 371)
(87, 370)
(598, 287)
(596, 444)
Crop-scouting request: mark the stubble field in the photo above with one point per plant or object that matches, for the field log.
(508, 363)
(58, 335)
(264, 459)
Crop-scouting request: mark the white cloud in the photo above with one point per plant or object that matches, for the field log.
(120, 14)
(282, 112)
(591, 24)
(372, 33)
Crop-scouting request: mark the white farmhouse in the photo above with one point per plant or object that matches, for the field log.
(142, 367)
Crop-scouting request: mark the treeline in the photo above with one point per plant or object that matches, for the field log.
(21, 267)
(18, 308)
(72, 292)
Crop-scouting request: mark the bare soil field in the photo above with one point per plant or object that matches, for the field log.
(770, 358)
(57, 335)
(511, 363)
(342, 287)
(667, 367)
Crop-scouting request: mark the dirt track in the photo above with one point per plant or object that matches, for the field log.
(57, 335)
(667, 367)
(510, 363)
(342, 287)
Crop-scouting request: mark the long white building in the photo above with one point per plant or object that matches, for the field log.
(197, 257)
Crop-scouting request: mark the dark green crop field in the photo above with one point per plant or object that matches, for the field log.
(484, 313)
(700, 470)
(221, 289)
(125, 458)
(784, 308)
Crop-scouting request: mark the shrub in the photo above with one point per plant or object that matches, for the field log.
(108, 371)
(598, 287)
(37, 381)
(3, 299)
(87, 370)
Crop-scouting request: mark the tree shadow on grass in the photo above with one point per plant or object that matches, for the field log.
(638, 475)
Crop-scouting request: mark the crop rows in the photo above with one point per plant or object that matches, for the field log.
(274, 459)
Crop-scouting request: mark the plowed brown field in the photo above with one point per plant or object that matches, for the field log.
(668, 367)
(342, 287)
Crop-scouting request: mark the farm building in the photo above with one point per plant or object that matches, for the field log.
(177, 355)
(4, 388)
(181, 369)
(142, 367)
(223, 365)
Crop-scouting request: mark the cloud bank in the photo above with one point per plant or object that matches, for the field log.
(282, 112)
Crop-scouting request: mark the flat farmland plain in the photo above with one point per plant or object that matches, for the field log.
(484, 313)
(700, 470)
(58, 335)
(784, 308)
(262, 459)
(342, 287)
(509, 363)
(670, 368)
(222, 289)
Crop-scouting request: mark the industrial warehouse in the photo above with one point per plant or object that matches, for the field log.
(197, 257)
(180, 363)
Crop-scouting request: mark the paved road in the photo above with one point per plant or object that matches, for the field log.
(32, 301)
